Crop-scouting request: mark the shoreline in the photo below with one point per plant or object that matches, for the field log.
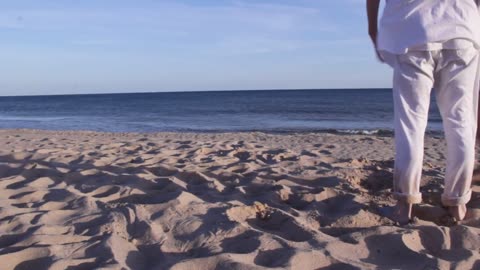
(372, 132)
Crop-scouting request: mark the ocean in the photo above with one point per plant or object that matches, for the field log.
(340, 110)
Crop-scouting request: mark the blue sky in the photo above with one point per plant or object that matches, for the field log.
(102, 46)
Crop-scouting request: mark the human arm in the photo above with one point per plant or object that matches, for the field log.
(372, 15)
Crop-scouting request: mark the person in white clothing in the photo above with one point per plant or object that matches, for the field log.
(431, 44)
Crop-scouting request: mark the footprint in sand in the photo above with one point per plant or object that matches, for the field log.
(278, 223)
(244, 243)
(274, 258)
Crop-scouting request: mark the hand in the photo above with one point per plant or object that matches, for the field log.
(373, 37)
(379, 56)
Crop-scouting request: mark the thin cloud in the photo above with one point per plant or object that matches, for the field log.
(180, 17)
(237, 27)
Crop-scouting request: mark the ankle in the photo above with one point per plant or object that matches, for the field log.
(458, 212)
(403, 212)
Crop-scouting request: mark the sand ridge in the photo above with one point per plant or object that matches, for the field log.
(89, 200)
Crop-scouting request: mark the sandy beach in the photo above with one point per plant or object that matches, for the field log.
(89, 200)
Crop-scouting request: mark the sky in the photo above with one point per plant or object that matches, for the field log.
(113, 46)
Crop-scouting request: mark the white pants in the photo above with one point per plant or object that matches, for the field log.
(454, 76)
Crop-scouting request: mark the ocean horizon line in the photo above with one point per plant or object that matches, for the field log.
(198, 91)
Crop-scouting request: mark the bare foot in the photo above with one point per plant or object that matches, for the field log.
(458, 212)
(402, 213)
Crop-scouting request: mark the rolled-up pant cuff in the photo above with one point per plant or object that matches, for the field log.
(454, 201)
(408, 198)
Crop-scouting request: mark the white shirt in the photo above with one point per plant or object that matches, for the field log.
(423, 24)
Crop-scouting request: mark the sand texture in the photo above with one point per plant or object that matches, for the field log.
(86, 200)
